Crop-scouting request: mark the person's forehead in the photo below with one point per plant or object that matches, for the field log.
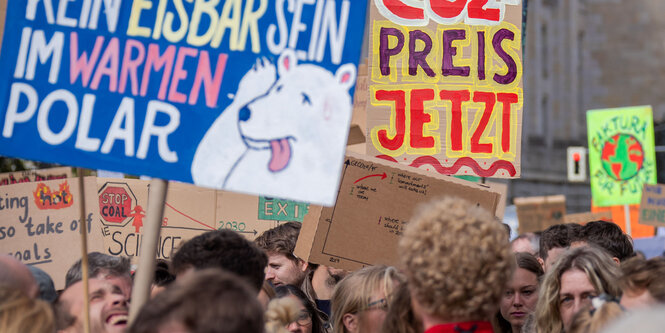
(75, 291)
(276, 256)
(575, 280)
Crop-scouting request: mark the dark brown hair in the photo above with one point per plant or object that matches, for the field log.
(207, 301)
(281, 239)
(641, 274)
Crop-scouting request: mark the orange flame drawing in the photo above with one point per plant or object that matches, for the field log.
(47, 199)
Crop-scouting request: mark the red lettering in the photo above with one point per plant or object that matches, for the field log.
(456, 97)
(489, 100)
(419, 118)
(506, 100)
(400, 119)
(476, 11)
(404, 11)
(447, 9)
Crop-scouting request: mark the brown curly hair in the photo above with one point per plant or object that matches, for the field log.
(457, 260)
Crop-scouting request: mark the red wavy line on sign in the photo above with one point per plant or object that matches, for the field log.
(189, 217)
(464, 161)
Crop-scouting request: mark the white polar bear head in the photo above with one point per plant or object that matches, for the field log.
(306, 108)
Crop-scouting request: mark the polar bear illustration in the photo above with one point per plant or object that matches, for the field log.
(283, 136)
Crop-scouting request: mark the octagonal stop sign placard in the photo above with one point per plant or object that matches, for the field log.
(115, 203)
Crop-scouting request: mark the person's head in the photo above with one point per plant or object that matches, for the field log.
(457, 259)
(22, 314)
(595, 318)
(266, 294)
(609, 237)
(108, 308)
(400, 317)
(45, 283)
(308, 319)
(555, 240)
(283, 266)
(578, 276)
(223, 249)
(359, 302)
(528, 242)
(649, 320)
(208, 300)
(521, 293)
(15, 274)
(642, 282)
(103, 266)
(162, 279)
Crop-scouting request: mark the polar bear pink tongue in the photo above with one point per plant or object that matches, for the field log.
(281, 154)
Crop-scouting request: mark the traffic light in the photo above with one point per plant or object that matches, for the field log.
(577, 164)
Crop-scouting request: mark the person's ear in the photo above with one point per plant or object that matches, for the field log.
(303, 265)
(541, 262)
(617, 261)
(350, 322)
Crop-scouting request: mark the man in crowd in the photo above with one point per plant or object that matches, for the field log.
(108, 308)
(642, 282)
(225, 249)
(15, 274)
(607, 236)
(555, 240)
(283, 266)
(528, 242)
(457, 262)
(115, 270)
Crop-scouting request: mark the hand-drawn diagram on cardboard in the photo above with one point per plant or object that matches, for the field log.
(622, 155)
(446, 85)
(375, 202)
(249, 96)
(35, 175)
(188, 212)
(40, 224)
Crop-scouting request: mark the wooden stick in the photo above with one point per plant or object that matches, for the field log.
(84, 254)
(146, 270)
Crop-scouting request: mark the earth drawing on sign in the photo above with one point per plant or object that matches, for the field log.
(622, 156)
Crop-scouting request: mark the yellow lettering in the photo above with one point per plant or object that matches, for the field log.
(134, 29)
(171, 35)
(250, 20)
(225, 21)
(202, 7)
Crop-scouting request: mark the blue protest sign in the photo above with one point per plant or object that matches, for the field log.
(247, 95)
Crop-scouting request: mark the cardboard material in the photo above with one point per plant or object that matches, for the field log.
(502, 189)
(638, 230)
(586, 217)
(35, 175)
(356, 135)
(359, 117)
(374, 204)
(622, 156)
(40, 224)
(448, 97)
(538, 213)
(652, 208)
(218, 103)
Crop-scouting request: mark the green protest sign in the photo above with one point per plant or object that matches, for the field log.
(622, 155)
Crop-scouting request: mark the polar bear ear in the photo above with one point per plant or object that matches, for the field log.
(346, 75)
(287, 61)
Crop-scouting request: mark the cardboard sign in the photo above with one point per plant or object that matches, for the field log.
(622, 156)
(188, 212)
(446, 85)
(538, 213)
(40, 224)
(652, 208)
(35, 175)
(249, 96)
(502, 189)
(586, 217)
(375, 202)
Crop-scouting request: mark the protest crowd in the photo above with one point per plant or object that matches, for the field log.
(457, 272)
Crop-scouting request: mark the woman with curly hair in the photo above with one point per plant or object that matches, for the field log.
(520, 295)
(457, 260)
(579, 275)
(359, 302)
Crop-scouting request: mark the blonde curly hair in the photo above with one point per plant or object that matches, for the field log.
(457, 259)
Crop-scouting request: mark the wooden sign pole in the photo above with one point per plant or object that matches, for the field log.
(146, 270)
(84, 254)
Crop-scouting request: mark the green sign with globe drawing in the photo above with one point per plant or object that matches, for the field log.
(622, 155)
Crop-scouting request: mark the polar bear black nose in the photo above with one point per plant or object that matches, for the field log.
(245, 114)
